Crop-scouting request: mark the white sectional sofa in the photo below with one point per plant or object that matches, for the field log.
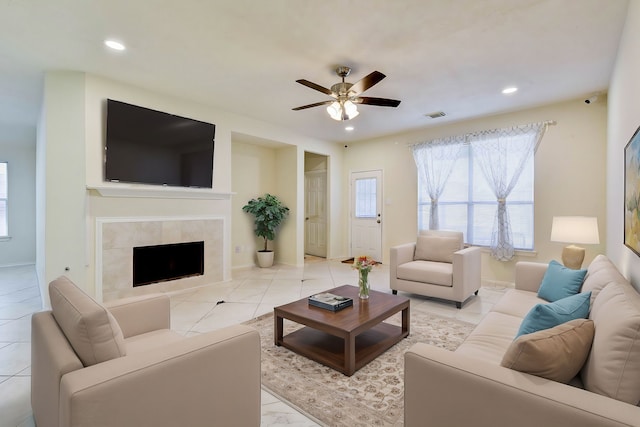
(471, 387)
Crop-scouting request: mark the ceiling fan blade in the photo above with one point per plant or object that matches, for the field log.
(304, 107)
(382, 102)
(317, 87)
(367, 81)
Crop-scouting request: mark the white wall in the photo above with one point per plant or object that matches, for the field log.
(18, 148)
(290, 184)
(253, 174)
(61, 167)
(570, 176)
(624, 119)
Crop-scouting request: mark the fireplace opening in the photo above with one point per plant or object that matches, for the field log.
(153, 264)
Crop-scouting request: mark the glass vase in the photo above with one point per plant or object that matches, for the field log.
(363, 284)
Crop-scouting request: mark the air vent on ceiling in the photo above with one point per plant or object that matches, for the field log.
(436, 114)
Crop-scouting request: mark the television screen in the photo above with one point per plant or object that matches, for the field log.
(145, 146)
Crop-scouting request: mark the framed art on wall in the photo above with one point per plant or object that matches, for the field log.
(632, 193)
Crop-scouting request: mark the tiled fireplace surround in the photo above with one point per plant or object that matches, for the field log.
(116, 238)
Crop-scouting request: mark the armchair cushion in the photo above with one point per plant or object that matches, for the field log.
(557, 353)
(436, 273)
(560, 282)
(91, 330)
(436, 248)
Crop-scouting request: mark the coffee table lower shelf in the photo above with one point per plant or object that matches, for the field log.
(330, 350)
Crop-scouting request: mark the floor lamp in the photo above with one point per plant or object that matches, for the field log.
(574, 229)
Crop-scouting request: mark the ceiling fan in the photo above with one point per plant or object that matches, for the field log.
(346, 95)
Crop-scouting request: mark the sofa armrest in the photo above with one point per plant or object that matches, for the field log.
(443, 388)
(138, 315)
(204, 380)
(466, 271)
(529, 275)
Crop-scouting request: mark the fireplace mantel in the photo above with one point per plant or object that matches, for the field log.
(157, 192)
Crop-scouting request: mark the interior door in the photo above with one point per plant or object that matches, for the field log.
(315, 225)
(366, 214)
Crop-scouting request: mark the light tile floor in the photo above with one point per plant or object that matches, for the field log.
(251, 293)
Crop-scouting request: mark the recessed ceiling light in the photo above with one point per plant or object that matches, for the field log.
(114, 45)
(349, 128)
(509, 90)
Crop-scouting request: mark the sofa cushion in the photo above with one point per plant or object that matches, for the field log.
(491, 338)
(613, 366)
(91, 330)
(557, 353)
(435, 273)
(560, 282)
(437, 248)
(545, 316)
(517, 303)
(600, 273)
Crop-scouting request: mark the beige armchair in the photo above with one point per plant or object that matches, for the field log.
(122, 366)
(436, 265)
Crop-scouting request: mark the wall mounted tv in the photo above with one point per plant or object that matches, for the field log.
(146, 146)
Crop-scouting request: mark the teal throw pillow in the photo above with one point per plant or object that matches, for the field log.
(560, 282)
(545, 316)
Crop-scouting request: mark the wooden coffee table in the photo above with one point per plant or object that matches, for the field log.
(348, 339)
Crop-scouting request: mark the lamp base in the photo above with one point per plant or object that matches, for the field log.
(572, 257)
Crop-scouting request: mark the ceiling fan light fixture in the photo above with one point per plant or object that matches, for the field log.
(336, 108)
(335, 111)
(351, 110)
(346, 95)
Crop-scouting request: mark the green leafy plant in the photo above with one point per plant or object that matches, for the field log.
(269, 213)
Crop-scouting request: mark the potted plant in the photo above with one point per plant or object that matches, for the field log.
(269, 213)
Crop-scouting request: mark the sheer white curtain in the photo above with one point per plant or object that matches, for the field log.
(502, 154)
(435, 160)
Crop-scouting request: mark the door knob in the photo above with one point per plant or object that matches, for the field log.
(378, 221)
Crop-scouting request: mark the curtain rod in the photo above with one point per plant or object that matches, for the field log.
(546, 122)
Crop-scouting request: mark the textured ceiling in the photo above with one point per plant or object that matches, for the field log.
(244, 56)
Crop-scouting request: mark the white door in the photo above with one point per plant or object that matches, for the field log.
(366, 214)
(315, 225)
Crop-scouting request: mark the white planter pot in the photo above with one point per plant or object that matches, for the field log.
(265, 259)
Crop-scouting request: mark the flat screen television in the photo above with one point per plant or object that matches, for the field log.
(145, 146)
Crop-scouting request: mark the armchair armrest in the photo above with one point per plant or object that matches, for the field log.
(402, 253)
(528, 275)
(213, 378)
(443, 388)
(399, 255)
(138, 315)
(466, 271)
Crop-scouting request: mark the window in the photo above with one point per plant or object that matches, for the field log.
(4, 228)
(468, 204)
(366, 198)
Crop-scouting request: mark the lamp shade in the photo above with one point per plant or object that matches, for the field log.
(575, 229)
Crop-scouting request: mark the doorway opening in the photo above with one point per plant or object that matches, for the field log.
(315, 205)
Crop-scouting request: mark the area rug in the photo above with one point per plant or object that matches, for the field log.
(373, 396)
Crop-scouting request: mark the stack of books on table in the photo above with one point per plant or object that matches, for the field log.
(330, 301)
